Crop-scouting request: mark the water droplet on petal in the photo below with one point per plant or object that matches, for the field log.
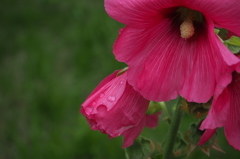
(102, 95)
(121, 82)
(101, 108)
(94, 103)
(88, 110)
(111, 98)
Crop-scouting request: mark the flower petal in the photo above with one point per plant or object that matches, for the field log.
(108, 95)
(225, 13)
(143, 13)
(232, 126)
(132, 133)
(217, 115)
(162, 64)
(238, 66)
(152, 120)
(138, 13)
(206, 136)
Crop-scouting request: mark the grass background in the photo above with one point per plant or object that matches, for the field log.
(52, 55)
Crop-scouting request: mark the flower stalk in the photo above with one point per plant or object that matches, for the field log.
(173, 130)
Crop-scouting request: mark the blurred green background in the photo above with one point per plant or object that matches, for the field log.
(53, 54)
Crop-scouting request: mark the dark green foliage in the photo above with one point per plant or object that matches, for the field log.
(140, 149)
(53, 53)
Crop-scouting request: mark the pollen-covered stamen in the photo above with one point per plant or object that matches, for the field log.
(187, 28)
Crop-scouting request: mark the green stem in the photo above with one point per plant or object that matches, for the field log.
(173, 131)
(126, 153)
(164, 109)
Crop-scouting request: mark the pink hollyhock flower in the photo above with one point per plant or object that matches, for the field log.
(225, 111)
(170, 45)
(115, 108)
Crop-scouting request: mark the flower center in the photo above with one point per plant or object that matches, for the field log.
(188, 17)
(187, 28)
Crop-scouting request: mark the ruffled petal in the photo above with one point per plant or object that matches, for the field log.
(108, 95)
(114, 116)
(163, 65)
(232, 126)
(218, 114)
(132, 133)
(206, 136)
(144, 13)
(138, 13)
(152, 120)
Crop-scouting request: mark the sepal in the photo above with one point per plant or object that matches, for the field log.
(193, 135)
(142, 148)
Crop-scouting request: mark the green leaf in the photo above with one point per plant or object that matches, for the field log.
(216, 31)
(180, 142)
(141, 149)
(233, 44)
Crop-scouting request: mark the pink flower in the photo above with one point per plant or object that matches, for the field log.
(115, 108)
(170, 45)
(225, 111)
